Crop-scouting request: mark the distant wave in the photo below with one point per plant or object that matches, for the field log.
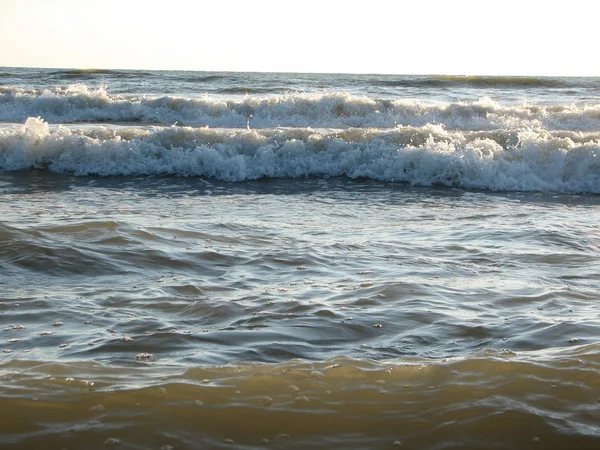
(425, 156)
(408, 82)
(489, 81)
(78, 103)
(473, 81)
(195, 77)
(249, 90)
(80, 73)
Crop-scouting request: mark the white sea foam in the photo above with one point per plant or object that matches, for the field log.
(428, 155)
(78, 103)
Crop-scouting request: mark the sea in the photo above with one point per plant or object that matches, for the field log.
(212, 260)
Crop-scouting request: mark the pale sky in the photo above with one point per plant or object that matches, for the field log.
(464, 37)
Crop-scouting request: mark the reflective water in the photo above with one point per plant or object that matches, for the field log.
(321, 313)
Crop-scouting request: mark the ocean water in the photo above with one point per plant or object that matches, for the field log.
(194, 260)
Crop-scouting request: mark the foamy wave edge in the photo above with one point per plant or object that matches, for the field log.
(80, 104)
(497, 160)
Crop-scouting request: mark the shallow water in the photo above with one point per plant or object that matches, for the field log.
(314, 265)
(490, 400)
(440, 318)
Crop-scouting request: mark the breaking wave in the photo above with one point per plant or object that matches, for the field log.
(528, 160)
(78, 103)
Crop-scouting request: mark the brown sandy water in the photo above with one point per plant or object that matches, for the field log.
(490, 400)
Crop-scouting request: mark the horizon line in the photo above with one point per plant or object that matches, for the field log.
(432, 74)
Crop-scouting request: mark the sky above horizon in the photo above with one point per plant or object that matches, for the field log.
(453, 37)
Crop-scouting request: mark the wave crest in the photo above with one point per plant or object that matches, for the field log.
(78, 103)
(425, 156)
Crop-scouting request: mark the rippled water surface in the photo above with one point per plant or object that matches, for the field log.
(314, 312)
